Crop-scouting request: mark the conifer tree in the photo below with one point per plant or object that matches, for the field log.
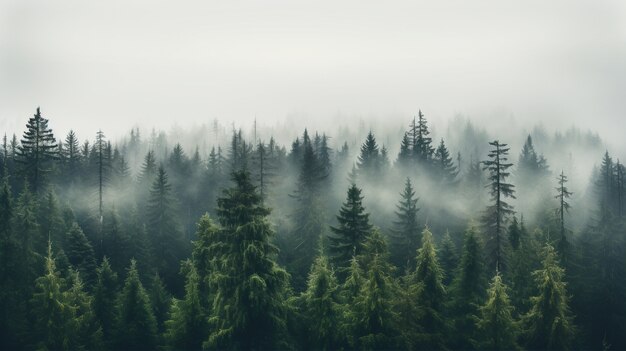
(514, 234)
(404, 156)
(348, 237)
(422, 143)
(406, 235)
(80, 254)
(499, 211)
(164, 230)
(105, 295)
(250, 287)
(84, 324)
(373, 318)
(51, 223)
(27, 235)
(321, 308)
(448, 258)
(202, 258)
(187, 326)
(51, 311)
(549, 323)
(135, 325)
(468, 290)
(562, 195)
(430, 294)
(160, 299)
(496, 326)
(102, 164)
(71, 154)
(369, 160)
(37, 150)
(445, 170)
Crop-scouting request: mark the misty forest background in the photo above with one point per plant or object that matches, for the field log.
(221, 238)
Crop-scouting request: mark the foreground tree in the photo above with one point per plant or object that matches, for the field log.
(549, 323)
(496, 326)
(135, 325)
(105, 293)
(499, 211)
(250, 286)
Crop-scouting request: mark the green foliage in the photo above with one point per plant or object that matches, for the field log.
(406, 235)
(448, 257)
(497, 330)
(348, 237)
(249, 309)
(80, 254)
(135, 325)
(105, 299)
(549, 323)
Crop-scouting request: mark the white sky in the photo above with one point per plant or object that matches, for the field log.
(116, 63)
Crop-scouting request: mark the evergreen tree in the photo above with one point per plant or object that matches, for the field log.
(250, 287)
(468, 290)
(497, 213)
(549, 323)
(373, 319)
(85, 325)
(448, 258)
(497, 328)
(102, 164)
(135, 325)
(514, 234)
(71, 155)
(115, 241)
(52, 313)
(404, 156)
(369, 160)
(80, 254)
(422, 143)
(160, 300)
(430, 294)
(347, 238)
(37, 150)
(187, 326)
(202, 258)
(406, 235)
(445, 170)
(164, 230)
(562, 195)
(104, 304)
(51, 223)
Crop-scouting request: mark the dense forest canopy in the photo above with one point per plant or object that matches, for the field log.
(352, 238)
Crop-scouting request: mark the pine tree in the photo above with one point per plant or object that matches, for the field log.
(104, 304)
(514, 234)
(202, 258)
(84, 324)
(562, 195)
(250, 287)
(51, 311)
(448, 257)
(348, 237)
(27, 235)
(406, 235)
(321, 308)
(430, 294)
(445, 170)
(549, 323)
(497, 214)
(468, 290)
(187, 326)
(135, 325)
(37, 150)
(160, 300)
(404, 156)
(115, 241)
(496, 326)
(80, 254)
(102, 164)
(369, 159)
(422, 149)
(71, 154)
(373, 318)
(164, 230)
(51, 224)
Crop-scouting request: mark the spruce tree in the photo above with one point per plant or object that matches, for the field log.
(102, 168)
(71, 155)
(406, 235)
(445, 170)
(562, 195)
(80, 254)
(549, 323)
(430, 294)
(84, 324)
(403, 161)
(37, 150)
(496, 327)
(51, 312)
(369, 160)
(448, 257)
(373, 318)
(422, 143)
(467, 291)
(115, 241)
(160, 300)
(164, 230)
(348, 237)
(250, 287)
(498, 212)
(135, 325)
(104, 303)
(187, 326)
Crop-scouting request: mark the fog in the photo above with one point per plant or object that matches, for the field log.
(116, 64)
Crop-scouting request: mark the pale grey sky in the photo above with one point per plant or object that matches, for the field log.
(112, 64)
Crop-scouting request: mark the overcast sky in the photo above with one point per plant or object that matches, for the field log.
(116, 63)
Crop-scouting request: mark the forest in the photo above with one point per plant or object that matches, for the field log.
(349, 238)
